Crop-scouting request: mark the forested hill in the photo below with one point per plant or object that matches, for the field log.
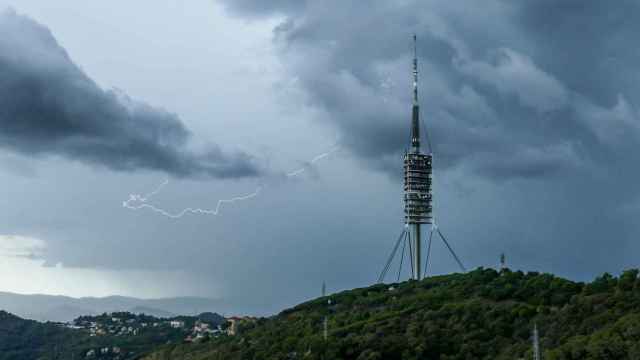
(27, 339)
(482, 314)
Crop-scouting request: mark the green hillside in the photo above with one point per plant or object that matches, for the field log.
(482, 314)
(25, 339)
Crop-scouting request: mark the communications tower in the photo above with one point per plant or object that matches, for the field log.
(417, 181)
(418, 197)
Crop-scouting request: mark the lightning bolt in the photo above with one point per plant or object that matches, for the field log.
(139, 202)
(313, 161)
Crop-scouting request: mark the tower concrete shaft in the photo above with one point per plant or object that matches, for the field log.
(416, 239)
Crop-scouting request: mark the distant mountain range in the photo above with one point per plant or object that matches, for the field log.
(64, 308)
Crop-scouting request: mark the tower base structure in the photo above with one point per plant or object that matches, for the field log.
(414, 249)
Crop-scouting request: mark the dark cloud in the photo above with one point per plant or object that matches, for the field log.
(49, 106)
(266, 8)
(586, 44)
(497, 85)
(537, 97)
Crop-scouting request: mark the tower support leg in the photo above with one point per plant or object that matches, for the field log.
(393, 254)
(451, 250)
(426, 261)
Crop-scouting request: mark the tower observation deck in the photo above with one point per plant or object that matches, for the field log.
(417, 189)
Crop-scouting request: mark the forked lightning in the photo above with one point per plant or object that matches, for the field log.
(139, 202)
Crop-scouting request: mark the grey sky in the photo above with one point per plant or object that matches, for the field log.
(531, 109)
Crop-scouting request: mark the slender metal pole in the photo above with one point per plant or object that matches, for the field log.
(536, 343)
(326, 328)
(325, 322)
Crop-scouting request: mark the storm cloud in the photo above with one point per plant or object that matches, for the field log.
(512, 83)
(538, 100)
(49, 106)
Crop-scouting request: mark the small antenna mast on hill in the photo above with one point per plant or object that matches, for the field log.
(536, 343)
(325, 325)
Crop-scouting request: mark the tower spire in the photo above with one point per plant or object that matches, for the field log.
(415, 118)
(415, 71)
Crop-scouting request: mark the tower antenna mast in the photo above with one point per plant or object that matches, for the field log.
(415, 70)
(417, 179)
